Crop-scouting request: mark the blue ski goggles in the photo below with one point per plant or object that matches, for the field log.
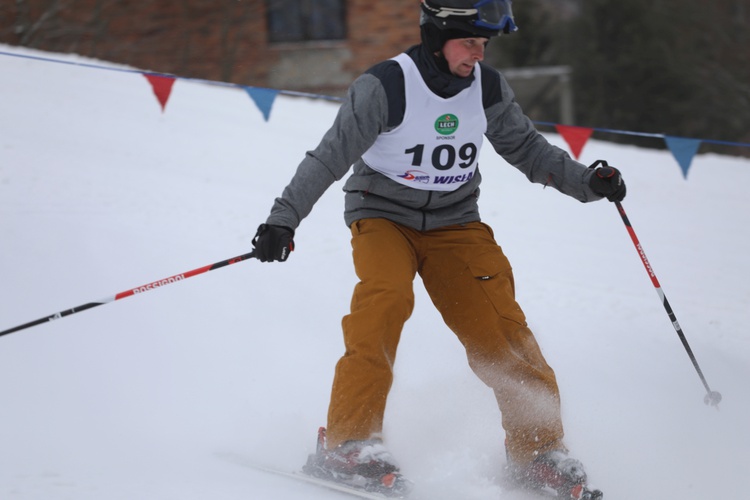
(495, 15)
(488, 14)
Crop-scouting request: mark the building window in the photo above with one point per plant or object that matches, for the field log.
(306, 20)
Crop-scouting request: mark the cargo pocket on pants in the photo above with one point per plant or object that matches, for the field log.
(495, 275)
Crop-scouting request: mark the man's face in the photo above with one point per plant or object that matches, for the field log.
(463, 53)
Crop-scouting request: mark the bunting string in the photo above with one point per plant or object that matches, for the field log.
(683, 149)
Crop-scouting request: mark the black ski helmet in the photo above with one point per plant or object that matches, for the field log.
(479, 18)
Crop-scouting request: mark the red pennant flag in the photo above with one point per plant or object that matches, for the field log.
(576, 137)
(162, 87)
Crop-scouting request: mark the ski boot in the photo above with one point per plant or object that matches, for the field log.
(555, 474)
(364, 465)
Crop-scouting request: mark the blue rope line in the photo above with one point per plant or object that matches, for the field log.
(167, 75)
(645, 134)
(326, 97)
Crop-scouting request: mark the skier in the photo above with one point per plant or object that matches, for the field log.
(412, 127)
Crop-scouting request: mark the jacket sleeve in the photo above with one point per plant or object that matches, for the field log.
(362, 116)
(514, 137)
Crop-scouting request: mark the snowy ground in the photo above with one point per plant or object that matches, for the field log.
(100, 192)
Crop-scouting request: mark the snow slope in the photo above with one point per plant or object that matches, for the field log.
(100, 192)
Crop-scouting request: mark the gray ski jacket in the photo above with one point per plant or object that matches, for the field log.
(374, 104)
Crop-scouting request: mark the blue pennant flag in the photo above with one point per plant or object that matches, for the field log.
(263, 98)
(683, 150)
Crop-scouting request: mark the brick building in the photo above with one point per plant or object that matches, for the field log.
(305, 45)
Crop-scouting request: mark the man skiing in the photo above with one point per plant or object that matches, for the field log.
(412, 127)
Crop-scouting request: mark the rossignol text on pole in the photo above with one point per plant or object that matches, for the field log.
(130, 292)
(712, 397)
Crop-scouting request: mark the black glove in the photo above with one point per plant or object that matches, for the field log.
(273, 243)
(607, 181)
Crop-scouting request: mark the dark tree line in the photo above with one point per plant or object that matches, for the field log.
(679, 67)
(662, 66)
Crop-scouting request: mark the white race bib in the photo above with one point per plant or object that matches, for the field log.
(436, 146)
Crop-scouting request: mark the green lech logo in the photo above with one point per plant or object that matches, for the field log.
(446, 124)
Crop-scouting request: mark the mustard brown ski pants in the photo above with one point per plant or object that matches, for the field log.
(470, 282)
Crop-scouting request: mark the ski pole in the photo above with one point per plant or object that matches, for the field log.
(712, 397)
(132, 291)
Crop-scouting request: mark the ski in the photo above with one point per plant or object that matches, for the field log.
(584, 493)
(302, 477)
(578, 493)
